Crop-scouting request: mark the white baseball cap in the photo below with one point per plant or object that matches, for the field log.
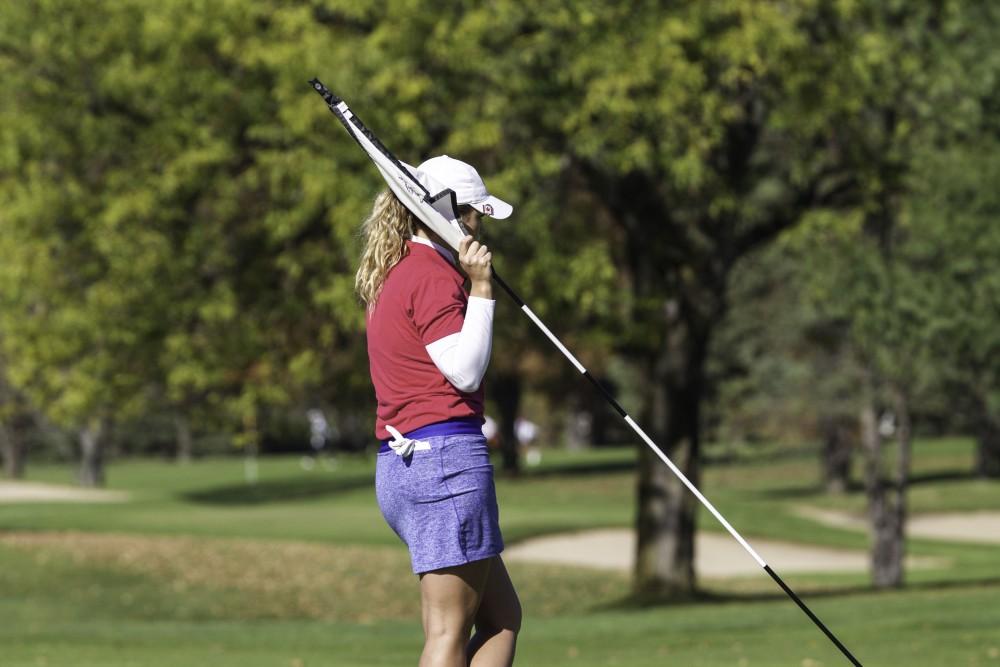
(468, 186)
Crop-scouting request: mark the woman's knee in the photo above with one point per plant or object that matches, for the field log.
(442, 646)
(446, 635)
(452, 627)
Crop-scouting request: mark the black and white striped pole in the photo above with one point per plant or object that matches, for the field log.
(427, 207)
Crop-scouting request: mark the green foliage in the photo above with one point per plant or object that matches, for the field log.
(169, 232)
(955, 245)
(180, 212)
(779, 363)
(888, 268)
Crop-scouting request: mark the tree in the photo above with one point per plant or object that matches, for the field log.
(955, 213)
(169, 233)
(16, 421)
(711, 142)
(880, 284)
(780, 369)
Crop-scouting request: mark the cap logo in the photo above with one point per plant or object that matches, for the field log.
(487, 209)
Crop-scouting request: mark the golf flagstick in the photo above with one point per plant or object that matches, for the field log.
(437, 210)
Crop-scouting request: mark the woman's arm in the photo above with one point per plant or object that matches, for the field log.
(463, 357)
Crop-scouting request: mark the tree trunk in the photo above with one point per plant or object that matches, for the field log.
(666, 510)
(988, 448)
(14, 451)
(92, 454)
(601, 417)
(14, 440)
(506, 390)
(835, 458)
(886, 501)
(250, 438)
(182, 431)
(904, 441)
(14, 431)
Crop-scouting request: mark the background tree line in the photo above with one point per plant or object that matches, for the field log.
(754, 219)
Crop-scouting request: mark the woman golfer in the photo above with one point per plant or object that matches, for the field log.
(429, 344)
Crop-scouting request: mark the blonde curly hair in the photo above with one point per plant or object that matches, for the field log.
(385, 232)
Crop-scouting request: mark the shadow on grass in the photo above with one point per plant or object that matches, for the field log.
(955, 475)
(277, 490)
(573, 470)
(801, 491)
(640, 602)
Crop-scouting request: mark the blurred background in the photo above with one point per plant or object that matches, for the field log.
(769, 228)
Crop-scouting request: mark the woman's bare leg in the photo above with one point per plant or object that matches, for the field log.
(497, 622)
(450, 598)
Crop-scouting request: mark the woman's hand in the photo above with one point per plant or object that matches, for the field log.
(476, 259)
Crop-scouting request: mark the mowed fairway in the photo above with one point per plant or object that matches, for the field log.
(197, 568)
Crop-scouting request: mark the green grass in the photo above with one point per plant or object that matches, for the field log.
(199, 568)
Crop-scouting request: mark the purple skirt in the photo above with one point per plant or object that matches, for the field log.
(441, 500)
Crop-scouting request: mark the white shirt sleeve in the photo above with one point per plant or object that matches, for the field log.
(463, 357)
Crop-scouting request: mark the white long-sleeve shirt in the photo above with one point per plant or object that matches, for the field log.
(463, 357)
